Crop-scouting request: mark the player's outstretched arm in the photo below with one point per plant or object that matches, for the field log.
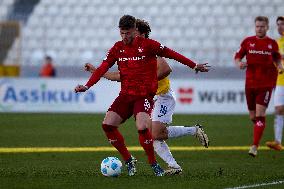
(113, 76)
(169, 53)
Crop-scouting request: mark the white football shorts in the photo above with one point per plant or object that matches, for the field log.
(279, 96)
(164, 106)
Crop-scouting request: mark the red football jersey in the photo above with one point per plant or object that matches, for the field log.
(137, 64)
(260, 54)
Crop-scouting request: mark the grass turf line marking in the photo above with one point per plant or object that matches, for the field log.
(257, 185)
(107, 148)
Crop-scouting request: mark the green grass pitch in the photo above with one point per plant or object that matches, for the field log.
(202, 169)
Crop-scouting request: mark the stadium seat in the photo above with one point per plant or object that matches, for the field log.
(90, 26)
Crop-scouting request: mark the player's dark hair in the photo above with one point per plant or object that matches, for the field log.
(280, 18)
(48, 58)
(143, 27)
(262, 19)
(127, 22)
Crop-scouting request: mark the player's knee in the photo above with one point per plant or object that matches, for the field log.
(159, 134)
(253, 119)
(279, 110)
(155, 136)
(108, 128)
(159, 130)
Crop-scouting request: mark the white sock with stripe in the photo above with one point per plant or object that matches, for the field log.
(179, 131)
(162, 149)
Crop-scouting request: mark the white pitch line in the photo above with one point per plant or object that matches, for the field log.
(257, 185)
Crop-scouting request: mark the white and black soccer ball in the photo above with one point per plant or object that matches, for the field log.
(111, 167)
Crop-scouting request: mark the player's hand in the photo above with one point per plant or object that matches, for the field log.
(280, 68)
(80, 88)
(89, 67)
(202, 67)
(243, 65)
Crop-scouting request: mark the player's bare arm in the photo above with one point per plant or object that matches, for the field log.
(280, 66)
(113, 76)
(164, 69)
(240, 64)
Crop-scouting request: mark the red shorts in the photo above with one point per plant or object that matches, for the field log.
(258, 96)
(128, 105)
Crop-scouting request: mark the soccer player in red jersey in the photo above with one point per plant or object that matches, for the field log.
(136, 60)
(261, 73)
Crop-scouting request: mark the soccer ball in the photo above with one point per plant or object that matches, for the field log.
(111, 167)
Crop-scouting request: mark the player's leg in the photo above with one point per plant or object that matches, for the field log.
(262, 100)
(259, 125)
(278, 119)
(114, 117)
(278, 128)
(161, 147)
(162, 114)
(110, 127)
(251, 104)
(142, 111)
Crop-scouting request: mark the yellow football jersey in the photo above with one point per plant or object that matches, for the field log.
(163, 86)
(280, 78)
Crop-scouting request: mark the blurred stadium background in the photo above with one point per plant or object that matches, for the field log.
(74, 32)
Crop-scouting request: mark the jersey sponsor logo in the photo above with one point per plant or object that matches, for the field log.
(252, 44)
(124, 59)
(259, 52)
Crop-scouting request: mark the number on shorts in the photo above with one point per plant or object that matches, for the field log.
(163, 111)
(266, 98)
(147, 105)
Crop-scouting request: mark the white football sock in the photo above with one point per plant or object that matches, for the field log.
(162, 149)
(178, 131)
(278, 127)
